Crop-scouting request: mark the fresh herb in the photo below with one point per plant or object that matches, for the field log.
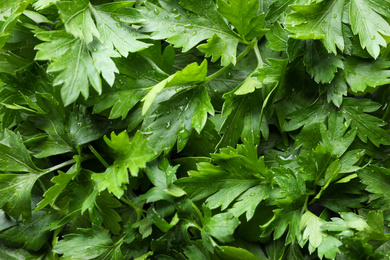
(194, 129)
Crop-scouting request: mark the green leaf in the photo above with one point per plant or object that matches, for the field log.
(7, 26)
(191, 74)
(64, 49)
(88, 244)
(320, 64)
(335, 137)
(14, 155)
(77, 19)
(243, 16)
(130, 156)
(362, 73)
(318, 21)
(237, 172)
(277, 37)
(329, 247)
(249, 200)
(369, 25)
(240, 112)
(65, 131)
(176, 117)
(317, 237)
(113, 33)
(162, 176)
(221, 226)
(186, 29)
(60, 182)
(367, 126)
(31, 235)
(137, 75)
(15, 194)
(313, 114)
(377, 180)
(16, 254)
(336, 90)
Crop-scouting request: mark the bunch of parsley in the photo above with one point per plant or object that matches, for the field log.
(194, 129)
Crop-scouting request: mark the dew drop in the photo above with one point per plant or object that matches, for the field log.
(229, 75)
(373, 37)
(119, 25)
(252, 194)
(167, 17)
(194, 33)
(175, 11)
(177, 17)
(168, 125)
(335, 15)
(156, 11)
(94, 49)
(172, 30)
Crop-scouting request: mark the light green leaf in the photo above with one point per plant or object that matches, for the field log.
(7, 26)
(370, 26)
(310, 224)
(130, 156)
(60, 182)
(201, 112)
(217, 47)
(77, 19)
(191, 74)
(137, 75)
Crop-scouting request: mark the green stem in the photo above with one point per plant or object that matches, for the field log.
(304, 208)
(57, 167)
(198, 212)
(98, 156)
(218, 73)
(260, 62)
(137, 209)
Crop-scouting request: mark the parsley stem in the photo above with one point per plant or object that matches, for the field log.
(198, 212)
(57, 167)
(137, 209)
(260, 62)
(98, 156)
(218, 73)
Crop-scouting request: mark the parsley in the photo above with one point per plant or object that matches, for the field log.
(194, 129)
